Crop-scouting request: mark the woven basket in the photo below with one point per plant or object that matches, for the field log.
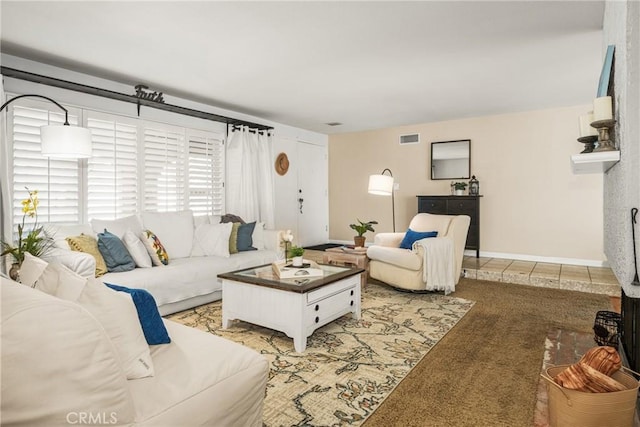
(572, 408)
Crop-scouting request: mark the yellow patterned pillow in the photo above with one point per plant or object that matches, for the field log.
(88, 244)
(233, 238)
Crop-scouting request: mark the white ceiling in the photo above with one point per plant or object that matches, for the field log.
(365, 64)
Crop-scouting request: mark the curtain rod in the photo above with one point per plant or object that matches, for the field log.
(105, 93)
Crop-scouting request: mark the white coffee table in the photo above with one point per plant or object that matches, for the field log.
(296, 307)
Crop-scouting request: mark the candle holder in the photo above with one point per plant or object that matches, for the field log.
(589, 143)
(604, 143)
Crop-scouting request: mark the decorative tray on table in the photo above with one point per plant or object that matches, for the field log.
(285, 270)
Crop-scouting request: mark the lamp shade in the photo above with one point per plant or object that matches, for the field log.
(65, 142)
(381, 185)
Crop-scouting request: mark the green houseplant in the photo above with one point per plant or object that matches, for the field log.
(295, 253)
(361, 228)
(459, 187)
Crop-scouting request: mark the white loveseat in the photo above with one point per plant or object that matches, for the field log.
(60, 367)
(190, 278)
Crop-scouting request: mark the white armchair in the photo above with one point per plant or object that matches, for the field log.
(405, 268)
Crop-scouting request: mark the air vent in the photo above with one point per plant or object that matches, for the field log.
(333, 124)
(413, 138)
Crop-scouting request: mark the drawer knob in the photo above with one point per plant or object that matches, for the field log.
(352, 303)
(317, 319)
(351, 293)
(317, 307)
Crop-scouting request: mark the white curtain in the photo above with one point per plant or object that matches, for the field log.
(5, 192)
(249, 186)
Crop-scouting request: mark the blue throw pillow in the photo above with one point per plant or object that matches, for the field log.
(152, 325)
(411, 236)
(245, 241)
(115, 254)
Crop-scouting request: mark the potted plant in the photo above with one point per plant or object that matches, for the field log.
(362, 228)
(459, 188)
(296, 253)
(34, 242)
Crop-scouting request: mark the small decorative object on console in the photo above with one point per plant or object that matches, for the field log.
(459, 188)
(474, 186)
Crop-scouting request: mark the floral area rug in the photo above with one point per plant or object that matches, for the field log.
(349, 366)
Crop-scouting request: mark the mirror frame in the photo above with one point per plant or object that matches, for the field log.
(453, 177)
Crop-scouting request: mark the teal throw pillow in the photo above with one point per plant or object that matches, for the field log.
(245, 241)
(115, 254)
(412, 236)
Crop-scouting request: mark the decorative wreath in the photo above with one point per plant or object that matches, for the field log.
(282, 164)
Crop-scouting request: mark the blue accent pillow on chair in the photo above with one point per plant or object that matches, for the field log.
(412, 236)
(152, 325)
(115, 254)
(245, 240)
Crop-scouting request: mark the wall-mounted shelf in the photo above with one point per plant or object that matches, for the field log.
(599, 162)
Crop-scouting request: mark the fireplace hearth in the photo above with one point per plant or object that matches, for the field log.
(630, 334)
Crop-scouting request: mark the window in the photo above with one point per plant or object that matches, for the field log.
(136, 165)
(112, 169)
(206, 173)
(164, 168)
(57, 180)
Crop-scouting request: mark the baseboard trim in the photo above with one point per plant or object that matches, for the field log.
(536, 258)
(518, 257)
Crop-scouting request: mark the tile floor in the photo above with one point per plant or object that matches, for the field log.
(600, 280)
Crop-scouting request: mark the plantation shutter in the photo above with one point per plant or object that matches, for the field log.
(136, 165)
(205, 182)
(112, 169)
(56, 180)
(164, 167)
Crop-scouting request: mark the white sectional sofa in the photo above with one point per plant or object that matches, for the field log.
(60, 367)
(190, 278)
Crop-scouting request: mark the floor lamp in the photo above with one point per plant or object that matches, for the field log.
(61, 141)
(382, 185)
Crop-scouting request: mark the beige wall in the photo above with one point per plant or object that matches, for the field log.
(533, 204)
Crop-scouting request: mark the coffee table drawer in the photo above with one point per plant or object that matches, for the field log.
(330, 308)
(327, 291)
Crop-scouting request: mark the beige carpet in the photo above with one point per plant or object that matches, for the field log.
(485, 372)
(349, 366)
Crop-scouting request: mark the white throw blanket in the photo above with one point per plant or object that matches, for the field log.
(438, 272)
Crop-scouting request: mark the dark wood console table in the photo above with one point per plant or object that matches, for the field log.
(456, 205)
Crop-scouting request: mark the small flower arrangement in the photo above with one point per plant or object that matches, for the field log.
(35, 241)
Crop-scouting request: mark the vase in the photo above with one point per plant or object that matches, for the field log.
(297, 261)
(14, 271)
(459, 193)
(359, 241)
